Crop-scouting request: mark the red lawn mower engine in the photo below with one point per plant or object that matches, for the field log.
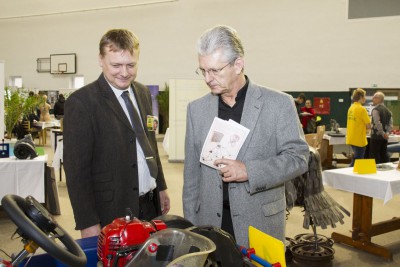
(119, 241)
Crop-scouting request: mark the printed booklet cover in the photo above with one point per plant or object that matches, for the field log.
(224, 140)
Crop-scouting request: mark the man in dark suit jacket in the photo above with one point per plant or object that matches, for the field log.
(104, 163)
(381, 126)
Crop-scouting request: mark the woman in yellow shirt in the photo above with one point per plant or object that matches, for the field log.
(358, 122)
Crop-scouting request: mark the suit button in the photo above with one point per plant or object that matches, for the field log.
(132, 140)
(135, 189)
(218, 214)
(134, 165)
(220, 187)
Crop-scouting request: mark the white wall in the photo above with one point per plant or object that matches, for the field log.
(290, 45)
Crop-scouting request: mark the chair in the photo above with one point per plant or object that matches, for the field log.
(311, 139)
(320, 136)
(315, 139)
(32, 130)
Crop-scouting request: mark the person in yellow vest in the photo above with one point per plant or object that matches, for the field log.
(358, 122)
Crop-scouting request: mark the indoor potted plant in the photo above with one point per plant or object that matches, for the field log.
(163, 106)
(17, 104)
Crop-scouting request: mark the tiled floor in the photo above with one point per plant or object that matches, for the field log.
(344, 256)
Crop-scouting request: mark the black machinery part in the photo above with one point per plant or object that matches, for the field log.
(36, 223)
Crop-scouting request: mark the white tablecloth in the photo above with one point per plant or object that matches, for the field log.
(383, 184)
(23, 177)
(333, 140)
(47, 124)
(52, 138)
(58, 155)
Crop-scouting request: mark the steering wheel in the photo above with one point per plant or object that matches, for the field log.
(36, 223)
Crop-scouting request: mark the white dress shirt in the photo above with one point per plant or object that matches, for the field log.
(146, 182)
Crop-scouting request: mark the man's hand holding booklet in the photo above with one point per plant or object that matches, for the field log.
(224, 140)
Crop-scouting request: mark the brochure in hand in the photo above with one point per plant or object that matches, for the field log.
(224, 140)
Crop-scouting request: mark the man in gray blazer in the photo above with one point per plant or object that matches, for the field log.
(106, 166)
(249, 190)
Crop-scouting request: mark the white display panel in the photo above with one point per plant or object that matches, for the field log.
(63, 63)
(181, 93)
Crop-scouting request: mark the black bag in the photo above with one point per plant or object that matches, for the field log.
(52, 204)
(25, 148)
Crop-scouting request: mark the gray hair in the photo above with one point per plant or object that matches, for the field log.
(221, 37)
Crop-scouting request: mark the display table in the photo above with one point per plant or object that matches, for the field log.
(23, 177)
(46, 124)
(333, 140)
(56, 136)
(329, 141)
(382, 185)
(58, 157)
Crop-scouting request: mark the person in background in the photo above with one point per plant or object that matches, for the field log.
(105, 163)
(358, 122)
(249, 190)
(299, 101)
(381, 126)
(33, 114)
(308, 112)
(59, 107)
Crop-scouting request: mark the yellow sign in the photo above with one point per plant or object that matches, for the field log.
(267, 247)
(365, 166)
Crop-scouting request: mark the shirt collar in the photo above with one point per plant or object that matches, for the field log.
(119, 92)
(241, 95)
(242, 92)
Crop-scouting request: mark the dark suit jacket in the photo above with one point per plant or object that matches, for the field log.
(100, 154)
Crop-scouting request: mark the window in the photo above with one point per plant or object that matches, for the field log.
(77, 81)
(15, 81)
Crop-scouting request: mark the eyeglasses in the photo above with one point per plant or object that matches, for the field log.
(214, 72)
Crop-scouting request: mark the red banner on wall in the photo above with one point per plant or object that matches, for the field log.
(322, 105)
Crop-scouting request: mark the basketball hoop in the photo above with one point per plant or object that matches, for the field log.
(58, 73)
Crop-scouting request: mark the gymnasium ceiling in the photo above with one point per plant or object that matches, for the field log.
(16, 9)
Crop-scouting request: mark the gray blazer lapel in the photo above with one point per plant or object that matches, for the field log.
(251, 112)
(210, 111)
